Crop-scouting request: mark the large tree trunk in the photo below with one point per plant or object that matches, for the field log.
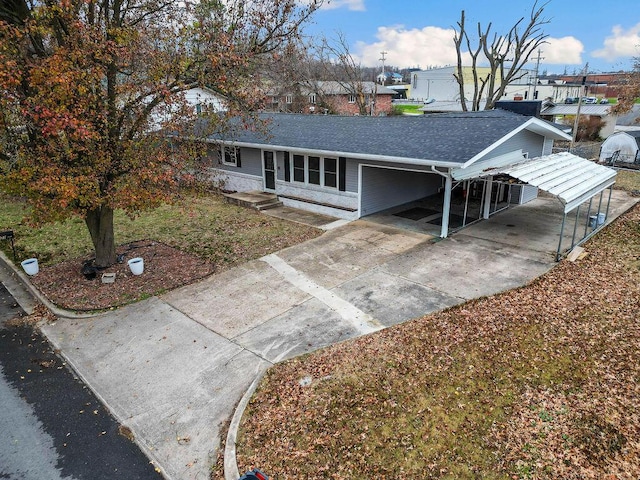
(100, 225)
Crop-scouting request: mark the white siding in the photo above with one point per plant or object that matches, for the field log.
(323, 209)
(238, 182)
(318, 194)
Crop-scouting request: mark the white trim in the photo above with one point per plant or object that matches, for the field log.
(234, 155)
(306, 181)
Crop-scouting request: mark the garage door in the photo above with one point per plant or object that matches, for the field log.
(383, 188)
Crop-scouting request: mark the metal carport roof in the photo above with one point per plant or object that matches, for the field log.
(571, 178)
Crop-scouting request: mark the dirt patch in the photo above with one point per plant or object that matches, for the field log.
(165, 268)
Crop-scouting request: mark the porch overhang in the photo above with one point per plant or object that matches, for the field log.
(572, 179)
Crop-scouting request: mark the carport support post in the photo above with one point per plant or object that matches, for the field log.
(487, 196)
(564, 221)
(446, 207)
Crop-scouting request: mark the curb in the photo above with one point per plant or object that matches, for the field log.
(230, 464)
(23, 281)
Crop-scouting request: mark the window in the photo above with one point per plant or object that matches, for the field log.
(314, 170)
(231, 156)
(415, 80)
(298, 168)
(312, 99)
(352, 98)
(331, 172)
(289, 99)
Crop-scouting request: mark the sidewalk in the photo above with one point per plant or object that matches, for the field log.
(174, 368)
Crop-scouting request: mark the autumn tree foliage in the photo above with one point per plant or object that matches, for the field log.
(630, 91)
(92, 107)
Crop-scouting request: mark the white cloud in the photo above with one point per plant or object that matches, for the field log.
(561, 51)
(434, 47)
(428, 46)
(622, 43)
(355, 5)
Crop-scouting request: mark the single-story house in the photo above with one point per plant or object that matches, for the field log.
(558, 113)
(389, 78)
(350, 167)
(337, 97)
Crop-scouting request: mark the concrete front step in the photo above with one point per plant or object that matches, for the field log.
(253, 199)
(267, 206)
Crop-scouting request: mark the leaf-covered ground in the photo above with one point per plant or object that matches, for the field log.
(186, 242)
(539, 382)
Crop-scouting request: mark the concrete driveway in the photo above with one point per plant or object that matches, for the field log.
(174, 368)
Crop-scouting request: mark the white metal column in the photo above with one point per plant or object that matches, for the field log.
(446, 207)
(487, 197)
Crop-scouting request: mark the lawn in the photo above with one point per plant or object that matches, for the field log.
(541, 382)
(205, 226)
(408, 109)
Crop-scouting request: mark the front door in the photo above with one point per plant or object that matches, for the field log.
(269, 164)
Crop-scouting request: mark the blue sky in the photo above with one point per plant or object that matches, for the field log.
(419, 32)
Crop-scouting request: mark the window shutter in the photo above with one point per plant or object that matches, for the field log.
(342, 174)
(287, 167)
(238, 164)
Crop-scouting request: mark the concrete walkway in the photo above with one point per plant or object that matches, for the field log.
(174, 368)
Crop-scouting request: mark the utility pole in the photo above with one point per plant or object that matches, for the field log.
(382, 59)
(535, 79)
(577, 120)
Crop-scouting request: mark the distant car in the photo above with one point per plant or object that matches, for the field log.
(589, 100)
(571, 100)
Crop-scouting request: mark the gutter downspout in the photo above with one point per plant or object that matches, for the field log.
(446, 207)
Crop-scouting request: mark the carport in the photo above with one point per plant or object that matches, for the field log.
(575, 181)
(384, 186)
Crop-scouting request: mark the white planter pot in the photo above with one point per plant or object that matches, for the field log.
(30, 266)
(136, 265)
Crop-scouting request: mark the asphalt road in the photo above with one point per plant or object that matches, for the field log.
(52, 425)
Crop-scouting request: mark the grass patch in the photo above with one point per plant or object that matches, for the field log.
(628, 181)
(538, 382)
(205, 226)
(413, 109)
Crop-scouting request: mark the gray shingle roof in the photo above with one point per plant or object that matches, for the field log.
(450, 137)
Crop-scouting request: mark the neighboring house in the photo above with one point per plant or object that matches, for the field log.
(564, 113)
(204, 99)
(351, 167)
(340, 98)
(629, 120)
(621, 147)
(198, 99)
(389, 78)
